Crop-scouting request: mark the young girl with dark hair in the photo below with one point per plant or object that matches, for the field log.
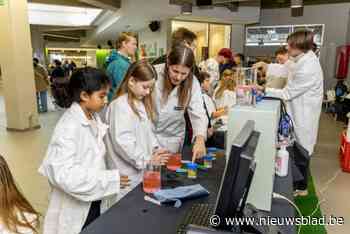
(75, 160)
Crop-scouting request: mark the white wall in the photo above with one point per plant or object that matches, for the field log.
(334, 16)
(146, 36)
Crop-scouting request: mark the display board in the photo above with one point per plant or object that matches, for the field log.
(277, 35)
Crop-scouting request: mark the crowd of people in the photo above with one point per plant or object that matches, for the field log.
(97, 151)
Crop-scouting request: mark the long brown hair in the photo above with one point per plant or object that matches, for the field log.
(13, 205)
(140, 71)
(179, 55)
(226, 84)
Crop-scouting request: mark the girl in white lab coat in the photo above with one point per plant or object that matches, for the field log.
(177, 90)
(75, 160)
(16, 214)
(303, 94)
(225, 97)
(130, 141)
(215, 138)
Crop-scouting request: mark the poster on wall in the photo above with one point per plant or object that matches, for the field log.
(150, 50)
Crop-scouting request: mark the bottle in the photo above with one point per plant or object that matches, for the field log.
(282, 160)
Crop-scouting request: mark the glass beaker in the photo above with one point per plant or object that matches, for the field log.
(175, 148)
(246, 80)
(151, 177)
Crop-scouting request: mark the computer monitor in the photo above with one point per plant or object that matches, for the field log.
(238, 174)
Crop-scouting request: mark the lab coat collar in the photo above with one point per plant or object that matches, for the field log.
(78, 113)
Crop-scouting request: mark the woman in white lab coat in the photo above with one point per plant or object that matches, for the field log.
(177, 90)
(130, 141)
(75, 160)
(303, 92)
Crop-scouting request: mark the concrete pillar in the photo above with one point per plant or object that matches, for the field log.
(38, 44)
(17, 66)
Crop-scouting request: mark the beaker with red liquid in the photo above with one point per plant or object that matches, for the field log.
(151, 178)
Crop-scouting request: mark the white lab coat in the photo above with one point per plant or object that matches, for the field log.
(277, 75)
(170, 124)
(76, 169)
(129, 140)
(227, 100)
(304, 95)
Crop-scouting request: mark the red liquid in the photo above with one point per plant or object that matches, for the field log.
(174, 162)
(151, 181)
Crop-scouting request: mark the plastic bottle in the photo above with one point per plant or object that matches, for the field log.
(282, 161)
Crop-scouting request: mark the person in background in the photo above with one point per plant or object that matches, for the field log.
(238, 59)
(224, 94)
(130, 140)
(57, 72)
(41, 85)
(72, 66)
(211, 65)
(303, 95)
(180, 36)
(66, 68)
(177, 90)
(119, 60)
(215, 138)
(278, 73)
(75, 160)
(17, 215)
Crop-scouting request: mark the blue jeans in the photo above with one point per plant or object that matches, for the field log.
(41, 98)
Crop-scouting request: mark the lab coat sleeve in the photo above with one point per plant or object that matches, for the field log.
(124, 139)
(301, 82)
(64, 170)
(196, 111)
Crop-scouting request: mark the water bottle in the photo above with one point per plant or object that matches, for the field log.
(282, 161)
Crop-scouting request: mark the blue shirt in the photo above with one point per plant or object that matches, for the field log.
(116, 71)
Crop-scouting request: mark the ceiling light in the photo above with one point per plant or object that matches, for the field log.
(58, 15)
(296, 3)
(186, 9)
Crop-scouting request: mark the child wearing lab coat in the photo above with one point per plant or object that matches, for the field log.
(215, 138)
(16, 214)
(130, 141)
(75, 160)
(225, 96)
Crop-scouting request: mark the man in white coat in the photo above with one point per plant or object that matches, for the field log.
(303, 94)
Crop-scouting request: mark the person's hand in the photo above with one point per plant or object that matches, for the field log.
(160, 157)
(124, 181)
(210, 132)
(198, 148)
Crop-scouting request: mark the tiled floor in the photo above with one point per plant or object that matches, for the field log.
(24, 152)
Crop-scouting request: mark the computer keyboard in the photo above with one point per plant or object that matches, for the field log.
(199, 214)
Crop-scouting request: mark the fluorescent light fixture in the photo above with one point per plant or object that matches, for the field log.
(296, 3)
(47, 14)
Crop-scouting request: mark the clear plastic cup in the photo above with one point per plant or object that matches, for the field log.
(151, 178)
